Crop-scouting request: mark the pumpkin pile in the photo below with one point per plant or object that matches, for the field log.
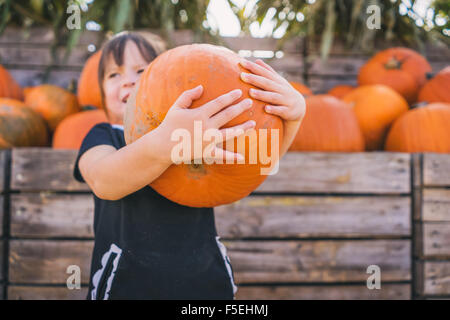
(48, 115)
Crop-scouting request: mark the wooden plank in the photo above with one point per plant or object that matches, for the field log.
(325, 292)
(375, 173)
(2, 254)
(45, 293)
(417, 183)
(296, 216)
(318, 261)
(2, 169)
(436, 278)
(436, 205)
(47, 215)
(51, 215)
(337, 66)
(46, 261)
(322, 84)
(36, 169)
(436, 170)
(436, 240)
(28, 77)
(1, 215)
(42, 36)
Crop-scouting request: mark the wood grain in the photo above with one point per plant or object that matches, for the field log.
(45, 293)
(436, 170)
(46, 261)
(318, 261)
(47, 215)
(436, 278)
(377, 173)
(2, 170)
(436, 205)
(38, 169)
(302, 217)
(325, 292)
(33, 77)
(436, 240)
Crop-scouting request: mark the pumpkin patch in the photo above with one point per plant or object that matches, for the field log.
(8, 86)
(170, 74)
(437, 89)
(88, 87)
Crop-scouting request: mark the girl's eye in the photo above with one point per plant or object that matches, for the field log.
(112, 75)
(140, 70)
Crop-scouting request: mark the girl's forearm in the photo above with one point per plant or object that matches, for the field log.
(130, 168)
(290, 131)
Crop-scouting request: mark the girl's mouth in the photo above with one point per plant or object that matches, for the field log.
(125, 98)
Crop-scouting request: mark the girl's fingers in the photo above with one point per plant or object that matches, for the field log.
(213, 154)
(223, 101)
(280, 111)
(229, 113)
(238, 130)
(265, 65)
(187, 97)
(261, 82)
(259, 70)
(267, 96)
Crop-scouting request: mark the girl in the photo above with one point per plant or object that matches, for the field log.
(147, 247)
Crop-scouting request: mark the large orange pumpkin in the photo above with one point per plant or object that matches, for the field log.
(20, 126)
(437, 89)
(218, 70)
(376, 108)
(329, 125)
(340, 91)
(52, 102)
(88, 87)
(304, 90)
(423, 129)
(402, 69)
(8, 86)
(69, 134)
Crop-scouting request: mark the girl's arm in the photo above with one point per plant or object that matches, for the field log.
(283, 100)
(113, 174)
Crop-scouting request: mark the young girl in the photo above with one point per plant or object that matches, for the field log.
(146, 246)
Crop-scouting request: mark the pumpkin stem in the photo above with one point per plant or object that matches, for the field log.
(419, 105)
(393, 63)
(197, 168)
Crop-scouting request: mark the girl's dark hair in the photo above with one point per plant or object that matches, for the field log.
(116, 47)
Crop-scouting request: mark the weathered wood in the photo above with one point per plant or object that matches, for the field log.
(417, 183)
(36, 169)
(325, 292)
(2, 254)
(318, 261)
(27, 77)
(295, 216)
(322, 84)
(436, 278)
(436, 205)
(1, 215)
(46, 261)
(436, 170)
(337, 66)
(52, 215)
(377, 173)
(41, 36)
(2, 170)
(45, 293)
(253, 261)
(436, 240)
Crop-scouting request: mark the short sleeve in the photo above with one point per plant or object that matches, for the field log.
(100, 134)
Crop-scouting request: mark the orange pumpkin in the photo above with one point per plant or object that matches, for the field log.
(8, 86)
(329, 125)
(218, 70)
(402, 69)
(52, 102)
(20, 126)
(69, 134)
(376, 108)
(304, 90)
(340, 91)
(437, 89)
(423, 129)
(88, 87)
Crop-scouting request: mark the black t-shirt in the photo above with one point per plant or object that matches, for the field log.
(148, 247)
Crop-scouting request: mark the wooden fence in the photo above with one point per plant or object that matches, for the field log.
(26, 54)
(308, 232)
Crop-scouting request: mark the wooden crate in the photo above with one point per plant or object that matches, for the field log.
(309, 232)
(432, 226)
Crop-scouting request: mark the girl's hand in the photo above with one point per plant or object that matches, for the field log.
(283, 100)
(212, 115)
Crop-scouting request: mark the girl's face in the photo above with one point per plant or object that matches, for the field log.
(120, 81)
